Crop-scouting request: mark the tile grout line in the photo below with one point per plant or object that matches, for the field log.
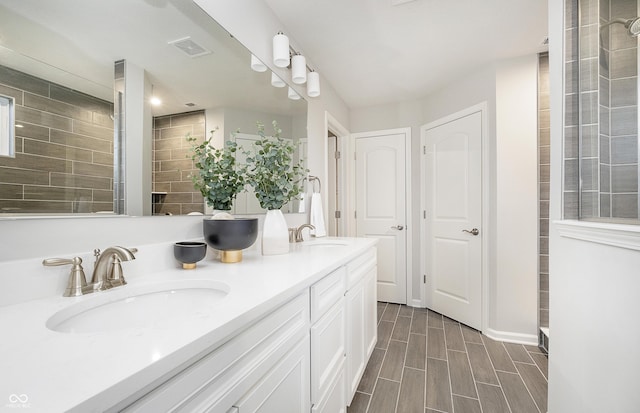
(383, 358)
(426, 343)
(494, 371)
(528, 390)
(385, 353)
(404, 359)
(546, 379)
(520, 376)
(446, 350)
(475, 382)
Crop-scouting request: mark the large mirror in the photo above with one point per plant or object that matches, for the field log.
(57, 62)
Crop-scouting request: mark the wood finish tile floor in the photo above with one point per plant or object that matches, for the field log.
(427, 363)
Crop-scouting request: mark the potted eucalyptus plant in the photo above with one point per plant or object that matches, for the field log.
(218, 178)
(276, 180)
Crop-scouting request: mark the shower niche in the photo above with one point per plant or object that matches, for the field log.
(601, 106)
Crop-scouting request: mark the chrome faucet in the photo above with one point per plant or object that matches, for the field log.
(299, 231)
(107, 271)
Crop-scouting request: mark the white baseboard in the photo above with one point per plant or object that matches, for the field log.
(415, 303)
(518, 338)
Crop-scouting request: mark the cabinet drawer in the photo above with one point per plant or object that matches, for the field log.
(326, 293)
(360, 266)
(222, 377)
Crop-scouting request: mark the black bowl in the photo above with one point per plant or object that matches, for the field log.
(230, 234)
(188, 253)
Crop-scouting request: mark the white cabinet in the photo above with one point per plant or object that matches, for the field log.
(327, 338)
(223, 377)
(335, 400)
(360, 299)
(371, 311)
(355, 339)
(307, 355)
(284, 389)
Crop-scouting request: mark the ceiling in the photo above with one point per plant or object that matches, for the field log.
(371, 51)
(374, 52)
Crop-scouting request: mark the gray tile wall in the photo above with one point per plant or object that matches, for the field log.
(571, 118)
(64, 149)
(543, 187)
(589, 61)
(607, 93)
(620, 130)
(172, 164)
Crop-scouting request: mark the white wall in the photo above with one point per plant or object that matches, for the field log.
(510, 89)
(138, 141)
(514, 297)
(594, 299)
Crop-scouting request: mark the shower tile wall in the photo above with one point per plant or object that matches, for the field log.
(172, 164)
(606, 62)
(570, 170)
(589, 57)
(619, 89)
(64, 149)
(543, 187)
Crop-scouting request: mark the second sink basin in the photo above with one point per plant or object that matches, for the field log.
(139, 306)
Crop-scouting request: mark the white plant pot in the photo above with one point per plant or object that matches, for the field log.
(275, 233)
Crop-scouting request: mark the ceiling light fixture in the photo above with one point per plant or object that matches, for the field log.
(313, 84)
(281, 55)
(154, 100)
(293, 95)
(298, 69)
(285, 55)
(276, 81)
(257, 65)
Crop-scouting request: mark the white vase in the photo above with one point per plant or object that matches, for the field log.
(275, 234)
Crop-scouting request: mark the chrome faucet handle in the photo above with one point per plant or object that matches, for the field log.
(292, 234)
(77, 284)
(116, 275)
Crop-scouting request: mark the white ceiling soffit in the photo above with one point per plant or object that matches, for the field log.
(381, 51)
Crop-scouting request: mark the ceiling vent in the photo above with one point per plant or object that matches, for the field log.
(189, 47)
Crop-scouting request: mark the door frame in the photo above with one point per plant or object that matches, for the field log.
(408, 206)
(485, 202)
(343, 137)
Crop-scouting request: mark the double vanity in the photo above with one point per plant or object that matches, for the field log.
(286, 333)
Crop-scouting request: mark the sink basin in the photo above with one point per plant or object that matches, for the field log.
(155, 304)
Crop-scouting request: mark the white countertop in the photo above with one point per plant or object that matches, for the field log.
(48, 371)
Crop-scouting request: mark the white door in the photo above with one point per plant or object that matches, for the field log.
(452, 168)
(381, 206)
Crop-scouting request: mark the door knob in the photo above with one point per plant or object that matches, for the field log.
(398, 227)
(474, 231)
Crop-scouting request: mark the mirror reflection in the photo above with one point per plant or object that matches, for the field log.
(57, 62)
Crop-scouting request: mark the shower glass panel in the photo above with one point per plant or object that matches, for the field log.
(607, 103)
